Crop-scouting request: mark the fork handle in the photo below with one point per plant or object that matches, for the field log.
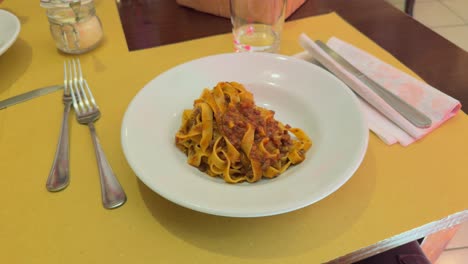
(112, 193)
(59, 176)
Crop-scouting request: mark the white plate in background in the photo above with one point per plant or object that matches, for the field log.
(9, 30)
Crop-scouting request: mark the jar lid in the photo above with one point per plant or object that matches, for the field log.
(62, 3)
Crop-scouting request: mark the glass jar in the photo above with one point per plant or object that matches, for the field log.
(74, 25)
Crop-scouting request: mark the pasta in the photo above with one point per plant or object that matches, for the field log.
(226, 135)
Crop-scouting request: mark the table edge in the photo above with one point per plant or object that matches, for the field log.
(402, 238)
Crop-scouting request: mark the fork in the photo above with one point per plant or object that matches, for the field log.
(87, 112)
(59, 176)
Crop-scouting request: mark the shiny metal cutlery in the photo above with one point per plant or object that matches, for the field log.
(29, 95)
(87, 112)
(413, 115)
(59, 176)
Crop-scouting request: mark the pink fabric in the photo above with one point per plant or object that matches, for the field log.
(385, 122)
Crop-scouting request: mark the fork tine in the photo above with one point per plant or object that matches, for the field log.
(81, 97)
(93, 102)
(79, 69)
(81, 80)
(91, 97)
(70, 76)
(73, 91)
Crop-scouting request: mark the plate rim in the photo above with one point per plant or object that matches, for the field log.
(17, 23)
(349, 172)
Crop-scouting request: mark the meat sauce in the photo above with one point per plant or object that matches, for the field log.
(234, 123)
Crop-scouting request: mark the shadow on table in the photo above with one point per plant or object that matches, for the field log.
(268, 237)
(14, 63)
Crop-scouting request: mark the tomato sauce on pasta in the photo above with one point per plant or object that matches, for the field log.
(226, 135)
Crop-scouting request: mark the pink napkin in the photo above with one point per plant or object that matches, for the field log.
(382, 119)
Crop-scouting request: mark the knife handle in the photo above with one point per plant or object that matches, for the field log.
(412, 114)
(29, 95)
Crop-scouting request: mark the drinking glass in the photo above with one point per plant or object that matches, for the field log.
(257, 24)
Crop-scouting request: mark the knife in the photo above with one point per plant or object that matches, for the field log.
(412, 114)
(29, 95)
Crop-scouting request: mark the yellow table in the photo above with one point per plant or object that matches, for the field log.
(397, 195)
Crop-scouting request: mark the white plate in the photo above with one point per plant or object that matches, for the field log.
(9, 29)
(302, 95)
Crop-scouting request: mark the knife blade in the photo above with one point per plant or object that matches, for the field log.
(29, 95)
(408, 111)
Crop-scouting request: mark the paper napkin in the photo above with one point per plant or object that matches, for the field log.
(383, 120)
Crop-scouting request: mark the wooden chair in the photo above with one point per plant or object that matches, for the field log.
(413, 253)
(410, 253)
(409, 5)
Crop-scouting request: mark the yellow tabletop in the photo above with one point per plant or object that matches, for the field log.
(394, 191)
